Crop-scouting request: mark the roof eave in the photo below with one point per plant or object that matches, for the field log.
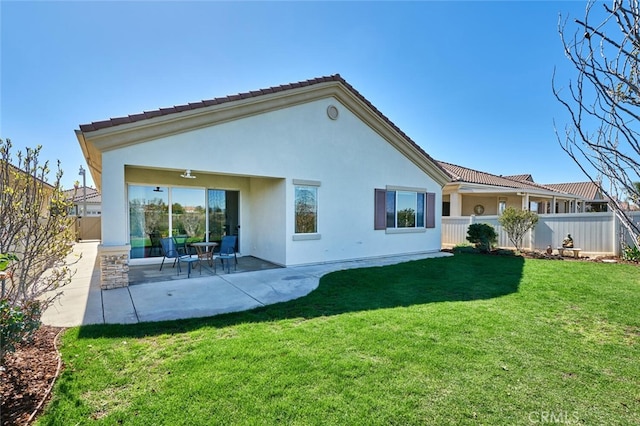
(94, 143)
(93, 158)
(477, 188)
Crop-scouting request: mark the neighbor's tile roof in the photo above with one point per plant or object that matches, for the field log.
(93, 196)
(464, 174)
(587, 190)
(97, 125)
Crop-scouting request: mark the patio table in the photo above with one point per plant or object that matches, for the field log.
(204, 250)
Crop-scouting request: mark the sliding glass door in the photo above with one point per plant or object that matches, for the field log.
(188, 213)
(223, 214)
(159, 212)
(148, 219)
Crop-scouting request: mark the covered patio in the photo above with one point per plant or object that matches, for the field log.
(294, 171)
(148, 271)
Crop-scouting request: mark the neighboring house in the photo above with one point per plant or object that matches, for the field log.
(303, 173)
(8, 173)
(88, 225)
(472, 192)
(595, 200)
(81, 197)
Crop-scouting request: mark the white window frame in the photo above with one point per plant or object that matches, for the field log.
(415, 229)
(313, 184)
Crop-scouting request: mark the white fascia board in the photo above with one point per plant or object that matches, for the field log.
(96, 142)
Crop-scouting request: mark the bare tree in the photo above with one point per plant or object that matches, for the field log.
(36, 237)
(603, 101)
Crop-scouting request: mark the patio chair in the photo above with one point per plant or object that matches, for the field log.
(170, 252)
(228, 251)
(180, 242)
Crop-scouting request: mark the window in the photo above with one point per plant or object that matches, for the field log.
(404, 209)
(306, 206)
(502, 205)
(446, 208)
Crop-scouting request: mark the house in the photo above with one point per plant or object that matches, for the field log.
(84, 198)
(472, 192)
(302, 173)
(87, 208)
(595, 201)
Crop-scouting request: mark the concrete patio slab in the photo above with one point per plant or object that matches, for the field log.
(192, 298)
(83, 302)
(76, 306)
(273, 286)
(118, 307)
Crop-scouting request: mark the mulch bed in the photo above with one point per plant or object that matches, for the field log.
(27, 377)
(543, 255)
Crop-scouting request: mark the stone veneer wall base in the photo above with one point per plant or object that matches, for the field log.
(114, 266)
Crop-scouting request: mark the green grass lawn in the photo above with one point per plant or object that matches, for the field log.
(468, 339)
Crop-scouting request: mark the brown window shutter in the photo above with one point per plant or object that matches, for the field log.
(380, 209)
(431, 210)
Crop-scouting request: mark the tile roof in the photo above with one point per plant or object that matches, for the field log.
(587, 190)
(93, 196)
(464, 174)
(97, 125)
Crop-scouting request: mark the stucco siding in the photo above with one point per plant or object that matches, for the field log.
(345, 156)
(115, 218)
(265, 224)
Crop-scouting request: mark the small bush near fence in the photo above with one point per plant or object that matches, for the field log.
(483, 236)
(631, 253)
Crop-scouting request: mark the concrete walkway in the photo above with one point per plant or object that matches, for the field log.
(83, 302)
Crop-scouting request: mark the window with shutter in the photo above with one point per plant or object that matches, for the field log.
(404, 209)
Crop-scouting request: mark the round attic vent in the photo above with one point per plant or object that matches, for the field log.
(332, 112)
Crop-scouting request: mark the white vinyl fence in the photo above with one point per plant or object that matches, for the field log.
(597, 234)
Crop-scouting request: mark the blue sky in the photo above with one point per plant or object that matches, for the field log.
(468, 81)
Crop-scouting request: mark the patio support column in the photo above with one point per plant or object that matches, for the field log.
(113, 253)
(114, 266)
(455, 204)
(115, 206)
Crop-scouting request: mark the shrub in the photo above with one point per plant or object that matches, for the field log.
(482, 235)
(17, 323)
(5, 260)
(516, 223)
(631, 253)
